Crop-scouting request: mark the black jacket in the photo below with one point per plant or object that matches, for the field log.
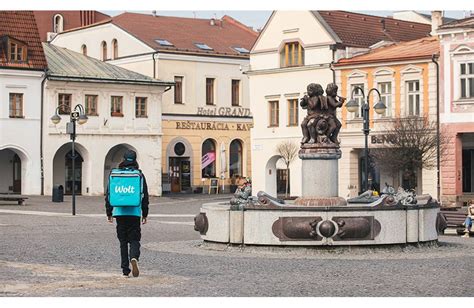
(145, 201)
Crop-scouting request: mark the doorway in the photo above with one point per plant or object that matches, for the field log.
(180, 174)
(78, 173)
(16, 174)
(282, 176)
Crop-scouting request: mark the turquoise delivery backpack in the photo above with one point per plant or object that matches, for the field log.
(125, 188)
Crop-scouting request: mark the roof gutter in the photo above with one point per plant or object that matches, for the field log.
(438, 159)
(45, 77)
(108, 80)
(154, 63)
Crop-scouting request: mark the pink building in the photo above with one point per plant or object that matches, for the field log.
(457, 109)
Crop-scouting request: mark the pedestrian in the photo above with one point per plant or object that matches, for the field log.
(469, 218)
(126, 200)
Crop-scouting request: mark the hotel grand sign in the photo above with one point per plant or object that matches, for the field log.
(224, 111)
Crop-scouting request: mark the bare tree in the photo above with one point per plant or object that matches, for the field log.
(408, 144)
(288, 150)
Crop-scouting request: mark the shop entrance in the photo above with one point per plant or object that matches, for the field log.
(468, 164)
(180, 174)
(78, 173)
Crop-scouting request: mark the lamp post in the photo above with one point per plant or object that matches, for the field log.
(379, 108)
(78, 115)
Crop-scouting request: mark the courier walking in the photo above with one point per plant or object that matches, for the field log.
(127, 201)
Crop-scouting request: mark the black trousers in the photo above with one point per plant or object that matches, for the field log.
(128, 233)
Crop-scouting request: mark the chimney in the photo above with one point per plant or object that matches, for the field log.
(436, 21)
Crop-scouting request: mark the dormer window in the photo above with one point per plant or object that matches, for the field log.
(242, 50)
(292, 54)
(203, 46)
(17, 51)
(163, 42)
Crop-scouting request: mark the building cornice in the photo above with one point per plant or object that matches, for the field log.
(288, 69)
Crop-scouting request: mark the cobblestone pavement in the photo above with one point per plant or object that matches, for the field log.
(45, 251)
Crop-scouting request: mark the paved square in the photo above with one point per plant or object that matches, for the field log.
(45, 251)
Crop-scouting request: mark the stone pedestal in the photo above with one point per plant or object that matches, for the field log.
(320, 170)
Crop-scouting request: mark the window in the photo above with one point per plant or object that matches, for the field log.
(293, 112)
(17, 51)
(178, 90)
(58, 23)
(84, 49)
(209, 91)
(140, 107)
(273, 111)
(91, 105)
(292, 54)
(116, 106)
(242, 50)
(235, 158)
(413, 98)
(64, 103)
(358, 97)
(385, 89)
(16, 105)
(208, 160)
(235, 92)
(114, 49)
(104, 50)
(163, 42)
(203, 46)
(467, 80)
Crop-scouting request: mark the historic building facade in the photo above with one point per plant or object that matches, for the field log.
(296, 48)
(405, 75)
(22, 70)
(123, 110)
(206, 116)
(457, 109)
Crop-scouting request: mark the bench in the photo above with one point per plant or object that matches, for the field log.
(455, 219)
(16, 198)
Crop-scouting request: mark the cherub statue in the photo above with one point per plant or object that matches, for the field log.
(315, 103)
(333, 103)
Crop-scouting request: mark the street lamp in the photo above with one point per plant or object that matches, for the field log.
(78, 115)
(353, 106)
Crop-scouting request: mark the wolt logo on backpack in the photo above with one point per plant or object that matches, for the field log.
(125, 187)
(124, 190)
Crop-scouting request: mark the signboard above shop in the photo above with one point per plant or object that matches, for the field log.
(224, 111)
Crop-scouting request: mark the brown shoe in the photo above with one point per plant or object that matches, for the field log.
(135, 270)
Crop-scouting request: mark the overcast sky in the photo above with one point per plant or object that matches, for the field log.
(257, 19)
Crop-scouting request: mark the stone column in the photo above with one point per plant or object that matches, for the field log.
(320, 185)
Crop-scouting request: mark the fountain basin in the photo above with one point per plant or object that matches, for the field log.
(318, 226)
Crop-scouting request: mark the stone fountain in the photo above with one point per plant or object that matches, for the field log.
(320, 217)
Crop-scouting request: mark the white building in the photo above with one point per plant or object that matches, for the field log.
(208, 110)
(124, 112)
(296, 48)
(22, 66)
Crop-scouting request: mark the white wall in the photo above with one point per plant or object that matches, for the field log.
(101, 133)
(92, 37)
(22, 135)
(286, 26)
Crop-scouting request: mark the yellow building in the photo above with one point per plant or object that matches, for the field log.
(405, 76)
(197, 148)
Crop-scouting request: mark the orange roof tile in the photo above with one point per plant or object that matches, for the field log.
(21, 25)
(183, 33)
(418, 49)
(362, 30)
